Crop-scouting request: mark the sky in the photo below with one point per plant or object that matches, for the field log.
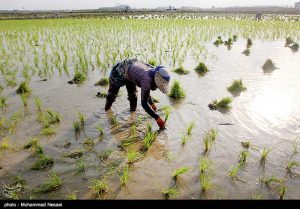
(93, 4)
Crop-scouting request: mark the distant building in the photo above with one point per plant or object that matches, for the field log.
(171, 8)
(297, 5)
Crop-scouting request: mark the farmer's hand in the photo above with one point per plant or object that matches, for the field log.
(160, 123)
(153, 107)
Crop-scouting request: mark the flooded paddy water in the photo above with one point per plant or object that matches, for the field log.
(266, 114)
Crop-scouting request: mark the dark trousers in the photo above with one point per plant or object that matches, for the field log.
(113, 92)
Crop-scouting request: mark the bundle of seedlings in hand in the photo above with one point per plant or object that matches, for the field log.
(181, 71)
(53, 184)
(179, 172)
(201, 69)
(100, 187)
(222, 104)
(236, 87)
(23, 88)
(102, 82)
(43, 161)
(167, 111)
(169, 193)
(176, 92)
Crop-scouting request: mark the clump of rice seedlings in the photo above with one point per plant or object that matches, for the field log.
(89, 143)
(148, 139)
(152, 62)
(23, 88)
(101, 94)
(17, 180)
(243, 156)
(205, 181)
(67, 144)
(219, 41)
(99, 187)
(81, 117)
(75, 154)
(124, 175)
(292, 164)
(264, 154)
(24, 98)
(3, 102)
(133, 156)
(249, 43)
(246, 144)
(201, 69)
(256, 196)
(114, 121)
(48, 117)
(127, 142)
(79, 167)
(234, 38)
(246, 52)
(105, 154)
(169, 193)
(209, 139)
(236, 86)
(77, 127)
(222, 104)
(38, 104)
(233, 171)
(179, 172)
(102, 82)
(176, 92)
(71, 196)
(50, 131)
(133, 130)
(42, 162)
(269, 65)
(205, 164)
(281, 191)
(38, 150)
(100, 130)
(167, 111)
(276, 184)
(181, 71)
(190, 128)
(228, 42)
(54, 183)
(31, 143)
(4, 145)
(184, 139)
(79, 77)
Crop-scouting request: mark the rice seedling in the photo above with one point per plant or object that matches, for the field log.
(207, 143)
(99, 187)
(243, 156)
(222, 104)
(71, 196)
(148, 139)
(38, 149)
(179, 172)
(42, 162)
(256, 196)
(38, 104)
(201, 69)
(114, 121)
(291, 165)
(31, 143)
(49, 117)
(169, 193)
(228, 42)
(233, 171)
(24, 98)
(133, 156)
(205, 164)
(102, 82)
(209, 138)
(268, 65)
(176, 92)
(4, 144)
(190, 127)
(74, 154)
(50, 131)
(3, 102)
(79, 77)
(184, 139)
(101, 95)
(77, 127)
(249, 43)
(246, 144)
(17, 180)
(281, 191)
(236, 87)
(100, 130)
(167, 111)
(124, 175)
(181, 71)
(133, 130)
(205, 181)
(272, 180)
(23, 88)
(105, 154)
(81, 117)
(79, 167)
(152, 62)
(264, 154)
(219, 41)
(54, 183)
(127, 142)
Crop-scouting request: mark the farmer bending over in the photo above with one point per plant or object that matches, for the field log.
(132, 73)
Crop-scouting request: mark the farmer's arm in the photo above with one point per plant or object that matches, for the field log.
(150, 101)
(145, 95)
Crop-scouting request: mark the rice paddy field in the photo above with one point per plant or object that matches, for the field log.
(233, 114)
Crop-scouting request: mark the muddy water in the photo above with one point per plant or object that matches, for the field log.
(267, 115)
